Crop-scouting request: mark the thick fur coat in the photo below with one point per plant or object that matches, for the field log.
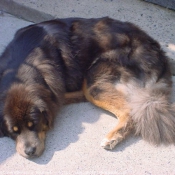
(112, 64)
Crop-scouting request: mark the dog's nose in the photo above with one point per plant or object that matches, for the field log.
(30, 151)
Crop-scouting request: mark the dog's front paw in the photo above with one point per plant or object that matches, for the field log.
(108, 144)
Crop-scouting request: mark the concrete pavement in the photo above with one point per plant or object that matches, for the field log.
(73, 146)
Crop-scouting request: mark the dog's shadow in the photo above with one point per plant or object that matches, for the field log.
(67, 128)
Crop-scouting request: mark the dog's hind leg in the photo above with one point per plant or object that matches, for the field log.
(105, 95)
(74, 97)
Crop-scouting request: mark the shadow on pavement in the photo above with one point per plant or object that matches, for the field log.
(67, 128)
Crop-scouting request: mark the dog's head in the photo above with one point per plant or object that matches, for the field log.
(26, 119)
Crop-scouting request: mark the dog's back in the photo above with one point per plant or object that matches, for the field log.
(120, 54)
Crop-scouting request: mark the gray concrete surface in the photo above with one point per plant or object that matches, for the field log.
(167, 4)
(73, 146)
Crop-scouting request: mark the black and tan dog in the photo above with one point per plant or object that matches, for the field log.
(114, 64)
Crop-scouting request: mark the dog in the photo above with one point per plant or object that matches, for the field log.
(112, 64)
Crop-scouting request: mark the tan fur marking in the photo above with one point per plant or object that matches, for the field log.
(101, 25)
(30, 124)
(42, 135)
(15, 128)
(74, 97)
(116, 105)
(45, 128)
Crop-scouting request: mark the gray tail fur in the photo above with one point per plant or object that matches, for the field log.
(153, 114)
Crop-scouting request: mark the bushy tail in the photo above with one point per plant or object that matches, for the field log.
(154, 116)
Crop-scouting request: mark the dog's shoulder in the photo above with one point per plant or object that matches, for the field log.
(24, 41)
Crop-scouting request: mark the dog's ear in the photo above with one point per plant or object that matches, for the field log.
(3, 128)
